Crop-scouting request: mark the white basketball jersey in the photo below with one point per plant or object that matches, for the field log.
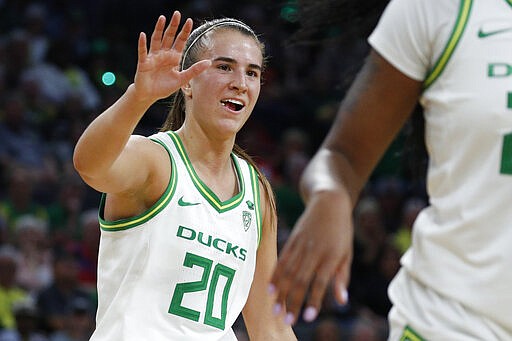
(183, 269)
(462, 49)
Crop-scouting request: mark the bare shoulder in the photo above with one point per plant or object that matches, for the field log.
(144, 143)
(153, 162)
(147, 150)
(154, 154)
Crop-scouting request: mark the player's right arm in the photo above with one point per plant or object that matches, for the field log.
(107, 156)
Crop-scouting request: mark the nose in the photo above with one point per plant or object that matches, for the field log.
(238, 83)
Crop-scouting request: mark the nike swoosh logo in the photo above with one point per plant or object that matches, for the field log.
(482, 34)
(181, 202)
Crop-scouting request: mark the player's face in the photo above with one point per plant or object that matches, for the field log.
(225, 94)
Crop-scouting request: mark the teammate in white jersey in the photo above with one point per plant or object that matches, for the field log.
(188, 223)
(455, 58)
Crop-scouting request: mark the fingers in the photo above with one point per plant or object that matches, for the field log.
(294, 272)
(194, 70)
(281, 278)
(340, 284)
(298, 290)
(182, 37)
(156, 36)
(165, 40)
(161, 40)
(318, 289)
(171, 30)
(142, 49)
(303, 273)
(320, 285)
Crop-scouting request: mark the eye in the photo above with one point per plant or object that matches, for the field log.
(224, 67)
(254, 74)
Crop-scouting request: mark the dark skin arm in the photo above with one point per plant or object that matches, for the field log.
(376, 107)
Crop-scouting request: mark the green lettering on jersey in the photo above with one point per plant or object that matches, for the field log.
(176, 307)
(182, 288)
(216, 242)
(209, 319)
(499, 70)
(243, 254)
(186, 233)
(506, 155)
(219, 244)
(232, 249)
(200, 239)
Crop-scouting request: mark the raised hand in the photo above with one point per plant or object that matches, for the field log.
(158, 74)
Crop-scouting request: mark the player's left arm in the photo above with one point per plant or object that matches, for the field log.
(260, 321)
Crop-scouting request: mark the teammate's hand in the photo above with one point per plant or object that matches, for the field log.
(318, 251)
(158, 75)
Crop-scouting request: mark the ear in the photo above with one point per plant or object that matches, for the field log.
(187, 90)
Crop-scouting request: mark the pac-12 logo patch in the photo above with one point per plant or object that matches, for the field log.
(250, 205)
(247, 218)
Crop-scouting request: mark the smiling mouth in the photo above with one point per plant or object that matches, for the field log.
(232, 105)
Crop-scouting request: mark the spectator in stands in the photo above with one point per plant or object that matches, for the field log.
(55, 301)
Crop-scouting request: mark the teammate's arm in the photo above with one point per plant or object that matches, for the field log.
(320, 248)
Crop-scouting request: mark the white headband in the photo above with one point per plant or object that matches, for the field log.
(222, 23)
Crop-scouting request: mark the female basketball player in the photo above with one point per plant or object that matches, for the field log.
(188, 223)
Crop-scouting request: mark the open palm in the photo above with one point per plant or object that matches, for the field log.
(158, 74)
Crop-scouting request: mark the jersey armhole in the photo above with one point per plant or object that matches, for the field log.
(458, 30)
(128, 223)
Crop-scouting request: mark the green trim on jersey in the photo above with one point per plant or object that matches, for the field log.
(410, 334)
(458, 30)
(220, 206)
(257, 198)
(128, 223)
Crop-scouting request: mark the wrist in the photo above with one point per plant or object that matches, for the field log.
(137, 99)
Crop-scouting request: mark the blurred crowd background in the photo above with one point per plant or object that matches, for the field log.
(62, 62)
